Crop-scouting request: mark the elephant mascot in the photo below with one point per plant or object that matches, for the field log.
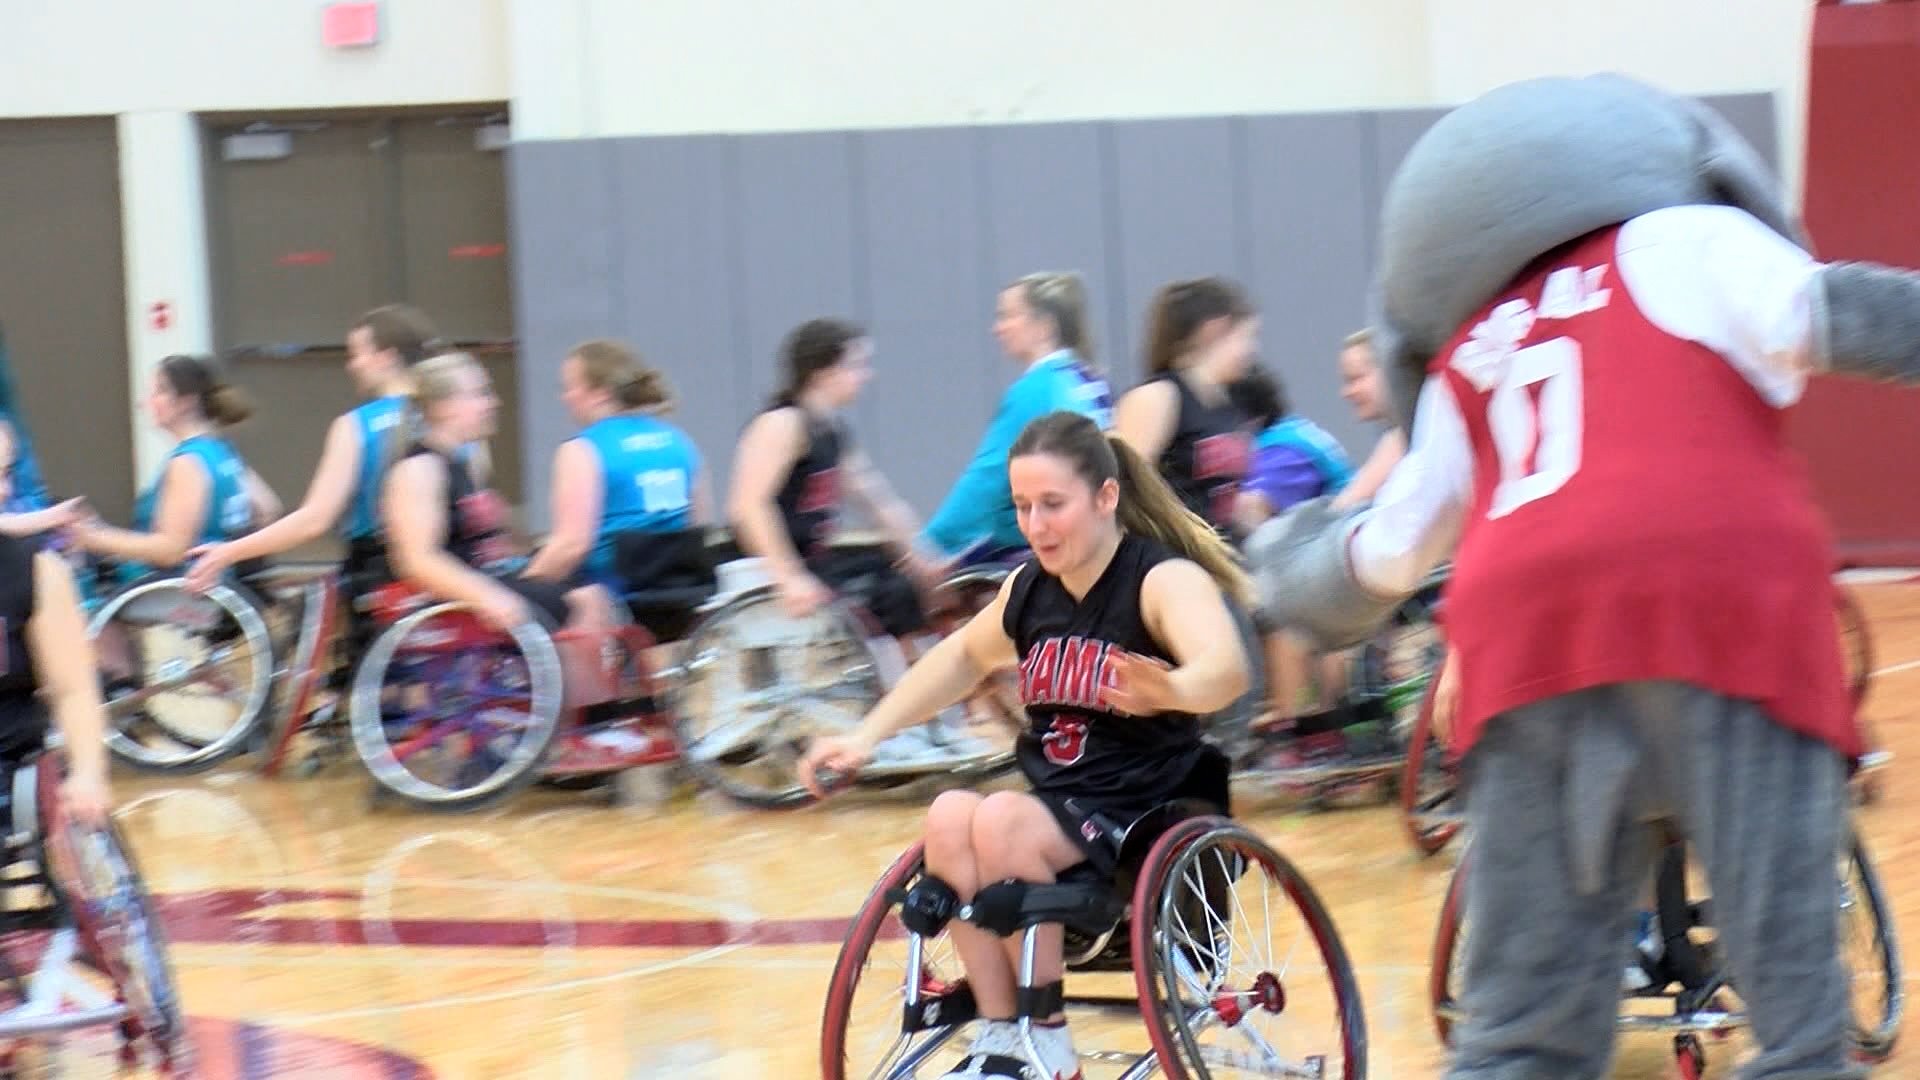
(1593, 307)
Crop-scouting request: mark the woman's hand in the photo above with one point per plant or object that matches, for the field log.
(842, 755)
(87, 796)
(925, 573)
(801, 594)
(1142, 685)
(206, 563)
(504, 610)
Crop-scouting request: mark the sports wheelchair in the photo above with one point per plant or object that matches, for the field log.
(83, 947)
(489, 713)
(1687, 971)
(1429, 781)
(756, 686)
(205, 677)
(1388, 678)
(1167, 920)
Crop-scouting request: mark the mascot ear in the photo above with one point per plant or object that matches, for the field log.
(1734, 173)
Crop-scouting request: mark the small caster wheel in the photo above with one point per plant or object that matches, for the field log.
(1689, 1057)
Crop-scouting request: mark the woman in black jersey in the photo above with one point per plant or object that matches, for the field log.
(48, 667)
(1200, 340)
(795, 463)
(446, 534)
(1117, 625)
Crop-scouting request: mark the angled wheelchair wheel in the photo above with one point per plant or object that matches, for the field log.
(897, 1005)
(1240, 969)
(756, 686)
(449, 715)
(188, 677)
(119, 932)
(1871, 954)
(1445, 970)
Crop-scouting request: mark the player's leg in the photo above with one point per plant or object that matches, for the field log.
(1543, 954)
(1015, 835)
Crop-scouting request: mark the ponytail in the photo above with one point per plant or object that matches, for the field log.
(613, 367)
(200, 378)
(1148, 507)
(1061, 297)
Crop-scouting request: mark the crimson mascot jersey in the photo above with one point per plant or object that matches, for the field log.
(1635, 512)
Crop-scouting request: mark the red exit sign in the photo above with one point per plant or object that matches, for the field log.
(350, 25)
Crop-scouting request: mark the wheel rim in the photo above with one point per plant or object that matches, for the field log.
(1233, 1002)
(501, 706)
(740, 720)
(176, 641)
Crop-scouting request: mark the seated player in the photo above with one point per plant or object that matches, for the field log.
(628, 477)
(446, 534)
(1123, 574)
(1183, 419)
(204, 494)
(795, 464)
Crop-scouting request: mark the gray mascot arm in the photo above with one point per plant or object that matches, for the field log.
(1334, 578)
(1866, 321)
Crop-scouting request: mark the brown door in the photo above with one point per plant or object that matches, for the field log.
(63, 304)
(364, 210)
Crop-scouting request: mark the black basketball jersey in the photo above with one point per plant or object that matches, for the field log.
(810, 499)
(477, 532)
(23, 715)
(1208, 455)
(1073, 743)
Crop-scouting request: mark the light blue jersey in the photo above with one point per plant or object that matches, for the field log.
(229, 505)
(374, 421)
(647, 469)
(979, 509)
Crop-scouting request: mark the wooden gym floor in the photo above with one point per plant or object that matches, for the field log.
(560, 937)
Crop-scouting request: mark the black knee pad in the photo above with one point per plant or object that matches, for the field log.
(926, 907)
(996, 908)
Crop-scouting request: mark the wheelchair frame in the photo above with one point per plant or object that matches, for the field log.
(1104, 932)
(97, 913)
(1699, 976)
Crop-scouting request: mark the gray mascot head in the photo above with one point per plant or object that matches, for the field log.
(1510, 176)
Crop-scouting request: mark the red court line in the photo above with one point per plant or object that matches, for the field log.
(229, 918)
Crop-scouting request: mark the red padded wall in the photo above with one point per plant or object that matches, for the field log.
(1862, 440)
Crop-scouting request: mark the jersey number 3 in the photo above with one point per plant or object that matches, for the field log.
(1535, 416)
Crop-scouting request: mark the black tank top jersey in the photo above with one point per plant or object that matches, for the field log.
(1208, 455)
(476, 518)
(23, 715)
(810, 499)
(1073, 745)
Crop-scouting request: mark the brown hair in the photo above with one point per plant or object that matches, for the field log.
(199, 378)
(1181, 309)
(617, 369)
(1061, 297)
(404, 329)
(813, 347)
(1148, 507)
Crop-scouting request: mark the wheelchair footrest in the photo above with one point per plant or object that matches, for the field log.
(950, 1007)
(1008, 907)
(586, 752)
